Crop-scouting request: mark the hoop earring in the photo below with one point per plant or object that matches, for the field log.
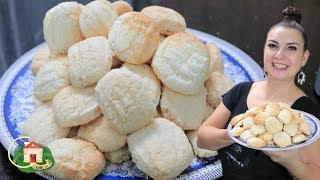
(265, 73)
(301, 79)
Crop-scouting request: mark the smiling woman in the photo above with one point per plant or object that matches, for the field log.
(286, 50)
(285, 54)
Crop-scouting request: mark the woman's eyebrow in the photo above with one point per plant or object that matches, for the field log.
(290, 43)
(293, 43)
(273, 41)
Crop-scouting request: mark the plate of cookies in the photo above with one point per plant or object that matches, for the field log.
(120, 97)
(274, 127)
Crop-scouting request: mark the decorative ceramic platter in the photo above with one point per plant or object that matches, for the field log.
(16, 105)
(315, 134)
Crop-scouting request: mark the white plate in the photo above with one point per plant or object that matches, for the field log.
(311, 120)
(16, 105)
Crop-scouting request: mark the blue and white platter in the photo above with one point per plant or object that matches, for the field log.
(16, 105)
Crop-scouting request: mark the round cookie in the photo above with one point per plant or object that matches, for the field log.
(75, 106)
(51, 78)
(96, 18)
(89, 60)
(122, 7)
(61, 27)
(134, 37)
(182, 62)
(266, 136)
(43, 56)
(282, 139)
(248, 122)
(305, 128)
(161, 149)
(261, 117)
(40, 58)
(285, 116)
(256, 142)
(273, 109)
(299, 138)
(257, 129)
(237, 131)
(187, 111)
(42, 127)
(169, 20)
(119, 155)
(291, 129)
(236, 119)
(273, 125)
(246, 135)
(75, 159)
(216, 60)
(145, 72)
(217, 85)
(128, 97)
(192, 136)
(101, 134)
(254, 111)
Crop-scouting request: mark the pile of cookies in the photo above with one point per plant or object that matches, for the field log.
(130, 83)
(271, 124)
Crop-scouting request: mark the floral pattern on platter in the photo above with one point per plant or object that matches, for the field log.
(21, 105)
(233, 70)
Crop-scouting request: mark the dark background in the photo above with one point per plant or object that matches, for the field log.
(243, 23)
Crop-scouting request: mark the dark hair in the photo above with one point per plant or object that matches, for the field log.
(292, 19)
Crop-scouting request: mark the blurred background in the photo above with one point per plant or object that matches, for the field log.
(243, 23)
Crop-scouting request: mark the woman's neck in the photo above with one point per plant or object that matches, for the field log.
(285, 90)
(273, 91)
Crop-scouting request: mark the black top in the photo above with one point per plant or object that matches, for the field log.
(241, 163)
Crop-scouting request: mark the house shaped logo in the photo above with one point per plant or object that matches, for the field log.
(32, 153)
(31, 157)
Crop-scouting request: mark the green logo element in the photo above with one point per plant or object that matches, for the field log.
(31, 157)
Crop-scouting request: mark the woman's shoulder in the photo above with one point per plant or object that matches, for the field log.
(234, 95)
(240, 89)
(305, 100)
(306, 104)
(243, 85)
(247, 83)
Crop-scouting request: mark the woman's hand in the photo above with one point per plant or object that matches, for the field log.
(302, 163)
(211, 134)
(284, 157)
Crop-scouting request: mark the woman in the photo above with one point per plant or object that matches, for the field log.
(285, 54)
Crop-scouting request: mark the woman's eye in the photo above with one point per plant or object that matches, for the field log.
(292, 48)
(272, 45)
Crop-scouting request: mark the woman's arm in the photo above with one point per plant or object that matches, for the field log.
(303, 163)
(211, 134)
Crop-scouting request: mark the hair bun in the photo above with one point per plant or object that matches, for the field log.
(292, 13)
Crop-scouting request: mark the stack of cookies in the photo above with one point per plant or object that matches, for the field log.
(113, 83)
(272, 124)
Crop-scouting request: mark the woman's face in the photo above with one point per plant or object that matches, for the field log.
(284, 54)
